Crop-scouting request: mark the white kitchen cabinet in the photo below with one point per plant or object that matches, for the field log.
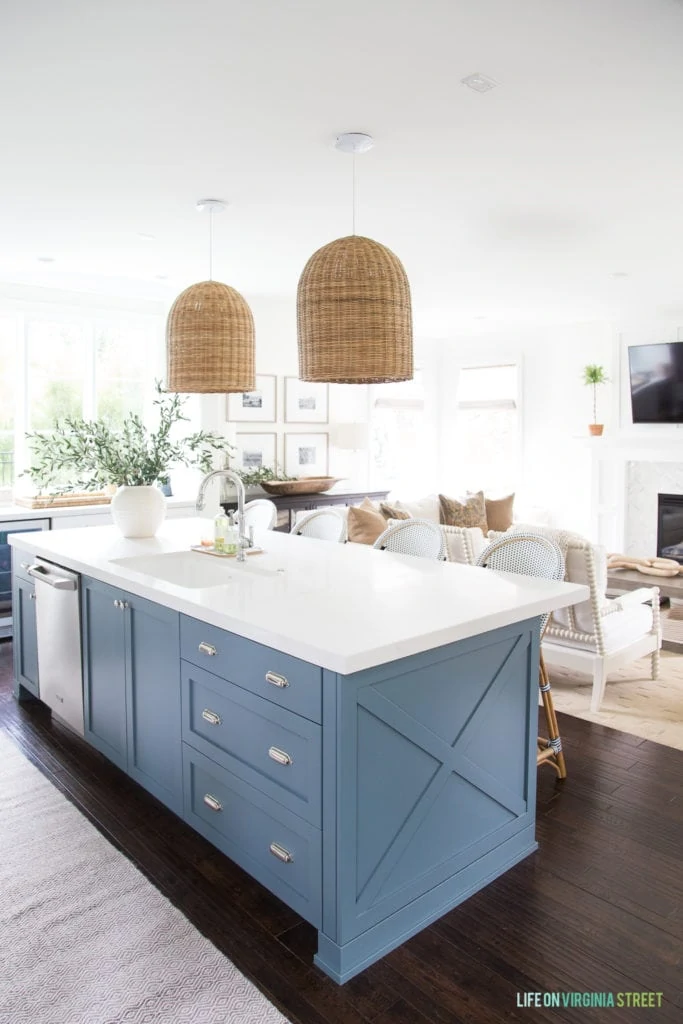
(68, 520)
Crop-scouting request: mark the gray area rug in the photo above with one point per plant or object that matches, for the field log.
(85, 938)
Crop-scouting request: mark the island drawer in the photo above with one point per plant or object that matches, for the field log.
(279, 849)
(269, 747)
(280, 678)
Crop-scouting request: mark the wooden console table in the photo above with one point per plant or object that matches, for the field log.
(289, 504)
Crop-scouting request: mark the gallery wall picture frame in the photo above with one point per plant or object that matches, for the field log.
(255, 451)
(306, 454)
(257, 406)
(306, 401)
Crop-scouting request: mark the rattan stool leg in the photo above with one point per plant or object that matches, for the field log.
(550, 749)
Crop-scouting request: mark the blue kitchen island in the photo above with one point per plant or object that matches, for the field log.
(356, 729)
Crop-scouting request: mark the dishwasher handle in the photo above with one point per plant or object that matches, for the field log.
(39, 572)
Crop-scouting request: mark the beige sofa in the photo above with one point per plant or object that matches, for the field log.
(463, 544)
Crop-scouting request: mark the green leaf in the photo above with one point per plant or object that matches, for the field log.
(93, 454)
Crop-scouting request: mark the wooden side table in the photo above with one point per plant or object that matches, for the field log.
(289, 504)
(621, 580)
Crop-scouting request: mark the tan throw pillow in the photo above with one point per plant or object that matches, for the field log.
(469, 512)
(368, 503)
(391, 512)
(364, 525)
(499, 513)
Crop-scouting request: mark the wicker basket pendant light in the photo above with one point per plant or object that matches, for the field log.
(354, 318)
(210, 335)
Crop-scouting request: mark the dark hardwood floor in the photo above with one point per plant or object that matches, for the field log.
(597, 908)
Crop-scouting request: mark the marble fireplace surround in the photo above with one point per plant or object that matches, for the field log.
(627, 475)
(644, 481)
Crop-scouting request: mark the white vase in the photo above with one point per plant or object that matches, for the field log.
(138, 511)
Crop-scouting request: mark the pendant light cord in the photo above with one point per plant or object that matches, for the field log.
(211, 243)
(353, 193)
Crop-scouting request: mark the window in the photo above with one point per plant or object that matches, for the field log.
(56, 368)
(487, 428)
(125, 363)
(401, 453)
(58, 364)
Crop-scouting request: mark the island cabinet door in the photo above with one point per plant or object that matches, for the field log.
(25, 641)
(104, 669)
(153, 699)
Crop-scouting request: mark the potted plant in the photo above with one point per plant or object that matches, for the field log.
(134, 459)
(594, 375)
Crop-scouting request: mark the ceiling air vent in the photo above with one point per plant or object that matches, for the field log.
(479, 82)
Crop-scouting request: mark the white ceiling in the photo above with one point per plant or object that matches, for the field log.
(517, 205)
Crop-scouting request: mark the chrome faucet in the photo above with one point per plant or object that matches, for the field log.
(243, 541)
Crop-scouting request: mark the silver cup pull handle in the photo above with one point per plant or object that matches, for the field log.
(212, 802)
(281, 854)
(277, 680)
(281, 756)
(205, 648)
(211, 717)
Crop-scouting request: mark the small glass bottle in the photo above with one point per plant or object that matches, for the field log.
(231, 537)
(221, 529)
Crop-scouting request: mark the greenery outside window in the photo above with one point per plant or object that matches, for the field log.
(57, 363)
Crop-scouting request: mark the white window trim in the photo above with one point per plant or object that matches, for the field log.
(428, 362)
(508, 359)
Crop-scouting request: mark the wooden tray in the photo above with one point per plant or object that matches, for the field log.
(223, 554)
(63, 500)
(304, 485)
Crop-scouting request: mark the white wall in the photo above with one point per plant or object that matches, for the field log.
(276, 353)
(556, 408)
(636, 461)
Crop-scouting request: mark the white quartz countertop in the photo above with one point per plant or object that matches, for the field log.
(345, 607)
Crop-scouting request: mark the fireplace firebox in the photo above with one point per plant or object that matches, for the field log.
(670, 526)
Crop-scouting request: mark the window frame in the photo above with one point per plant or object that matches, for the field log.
(428, 360)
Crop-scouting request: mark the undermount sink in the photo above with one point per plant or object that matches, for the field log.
(192, 569)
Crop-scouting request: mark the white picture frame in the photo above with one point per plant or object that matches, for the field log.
(305, 401)
(254, 451)
(257, 406)
(306, 454)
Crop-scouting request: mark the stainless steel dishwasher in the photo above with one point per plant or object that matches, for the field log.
(59, 640)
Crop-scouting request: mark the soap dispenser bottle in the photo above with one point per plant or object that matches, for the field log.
(221, 529)
(231, 537)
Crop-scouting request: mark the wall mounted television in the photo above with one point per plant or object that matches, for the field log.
(656, 377)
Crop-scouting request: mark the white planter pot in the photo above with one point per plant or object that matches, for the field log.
(138, 511)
